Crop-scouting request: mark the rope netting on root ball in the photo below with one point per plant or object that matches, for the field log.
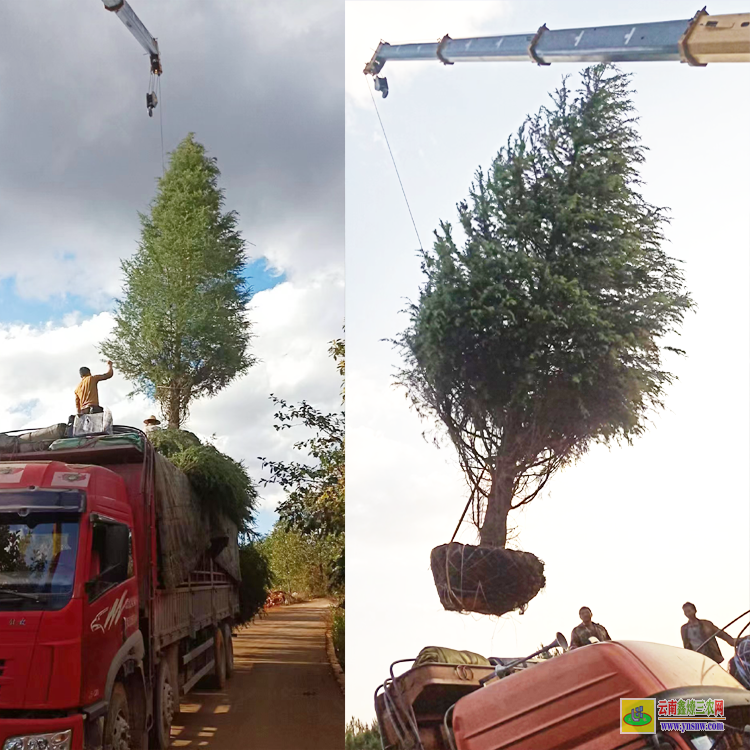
(486, 580)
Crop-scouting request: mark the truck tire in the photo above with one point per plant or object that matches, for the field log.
(229, 648)
(220, 660)
(164, 706)
(117, 724)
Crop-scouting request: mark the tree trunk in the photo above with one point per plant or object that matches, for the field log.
(173, 407)
(494, 531)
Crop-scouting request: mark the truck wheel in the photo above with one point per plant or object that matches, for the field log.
(220, 660)
(164, 705)
(117, 725)
(228, 647)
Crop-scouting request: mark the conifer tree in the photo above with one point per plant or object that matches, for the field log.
(182, 329)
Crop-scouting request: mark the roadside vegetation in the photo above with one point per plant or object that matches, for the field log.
(361, 736)
(305, 549)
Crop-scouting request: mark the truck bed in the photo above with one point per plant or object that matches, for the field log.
(187, 609)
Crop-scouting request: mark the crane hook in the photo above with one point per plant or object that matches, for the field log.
(151, 102)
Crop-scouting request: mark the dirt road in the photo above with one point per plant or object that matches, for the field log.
(283, 694)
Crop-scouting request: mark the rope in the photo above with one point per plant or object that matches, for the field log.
(414, 224)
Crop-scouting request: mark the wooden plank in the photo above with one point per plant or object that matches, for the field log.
(203, 672)
(197, 651)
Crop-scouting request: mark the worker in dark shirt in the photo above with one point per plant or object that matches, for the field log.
(583, 634)
(694, 632)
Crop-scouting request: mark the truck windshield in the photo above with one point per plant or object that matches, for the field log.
(37, 559)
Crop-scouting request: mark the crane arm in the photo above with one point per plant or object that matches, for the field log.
(126, 14)
(696, 41)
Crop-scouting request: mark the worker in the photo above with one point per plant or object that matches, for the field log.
(87, 393)
(151, 424)
(695, 632)
(587, 632)
(739, 664)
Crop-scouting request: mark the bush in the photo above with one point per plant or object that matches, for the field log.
(361, 736)
(337, 634)
(256, 581)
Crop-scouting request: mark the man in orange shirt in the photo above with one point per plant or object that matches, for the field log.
(87, 392)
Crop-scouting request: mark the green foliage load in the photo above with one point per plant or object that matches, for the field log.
(222, 484)
(256, 581)
(362, 736)
(542, 324)
(181, 330)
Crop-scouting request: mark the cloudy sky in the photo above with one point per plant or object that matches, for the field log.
(630, 532)
(79, 158)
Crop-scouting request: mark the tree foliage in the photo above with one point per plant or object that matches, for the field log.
(223, 484)
(255, 573)
(315, 490)
(362, 736)
(181, 329)
(313, 512)
(301, 563)
(543, 329)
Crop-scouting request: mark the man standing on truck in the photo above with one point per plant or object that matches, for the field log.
(583, 634)
(694, 632)
(87, 392)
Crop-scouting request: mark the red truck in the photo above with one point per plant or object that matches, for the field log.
(118, 592)
(569, 702)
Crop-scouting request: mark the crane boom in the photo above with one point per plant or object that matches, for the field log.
(696, 41)
(126, 14)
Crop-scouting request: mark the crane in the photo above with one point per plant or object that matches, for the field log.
(126, 14)
(696, 41)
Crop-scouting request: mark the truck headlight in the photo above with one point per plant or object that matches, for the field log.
(51, 741)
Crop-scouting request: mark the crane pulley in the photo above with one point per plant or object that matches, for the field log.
(126, 14)
(697, 41)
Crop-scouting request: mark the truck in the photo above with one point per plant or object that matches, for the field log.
(119, 590)
(571, 701)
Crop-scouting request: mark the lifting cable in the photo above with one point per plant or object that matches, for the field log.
(154, 90)
(377, 112)
(161, 128)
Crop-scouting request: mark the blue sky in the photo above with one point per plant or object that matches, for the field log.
(17, 308)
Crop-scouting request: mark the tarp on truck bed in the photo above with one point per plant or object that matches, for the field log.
(185, 529)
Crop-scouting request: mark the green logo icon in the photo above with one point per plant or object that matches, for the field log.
(637, 717)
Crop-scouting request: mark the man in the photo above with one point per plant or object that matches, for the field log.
(151, 424)
(87, 392)
(739, 664)
(583, 633)
(694, 632)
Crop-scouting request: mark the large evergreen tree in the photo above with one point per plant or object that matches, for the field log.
(542, 330)
(182, 330)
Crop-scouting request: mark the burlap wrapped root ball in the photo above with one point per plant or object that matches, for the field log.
(486, 580)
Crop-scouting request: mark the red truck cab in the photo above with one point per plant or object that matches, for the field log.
(117, 594)
(68, 587)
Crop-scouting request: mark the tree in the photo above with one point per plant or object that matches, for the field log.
(302, 563)
(544, 332)
(181, 330)
(314, 504)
